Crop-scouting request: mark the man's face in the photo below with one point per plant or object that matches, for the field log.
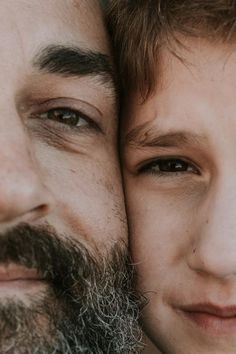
(63, 228)
(180, 173)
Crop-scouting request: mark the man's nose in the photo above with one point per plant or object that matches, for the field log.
(213, 251)
(23, 195)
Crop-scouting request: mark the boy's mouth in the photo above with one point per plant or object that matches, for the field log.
(213, 319)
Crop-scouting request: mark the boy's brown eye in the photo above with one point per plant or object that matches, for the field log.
(170, 165)
(66, 116)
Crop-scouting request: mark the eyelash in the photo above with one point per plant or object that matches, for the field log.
(148, 168)
(65, 126)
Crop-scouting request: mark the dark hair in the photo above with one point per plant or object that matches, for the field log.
(140, 28)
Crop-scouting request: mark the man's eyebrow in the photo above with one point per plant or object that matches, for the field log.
(72, 61)
(141, 138)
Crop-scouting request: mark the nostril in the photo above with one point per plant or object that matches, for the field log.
(42, 208)
(31, 215)
(38, 211)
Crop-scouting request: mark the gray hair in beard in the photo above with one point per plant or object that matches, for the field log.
(88, 305)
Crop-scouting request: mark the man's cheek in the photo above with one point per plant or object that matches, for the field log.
(91, 206)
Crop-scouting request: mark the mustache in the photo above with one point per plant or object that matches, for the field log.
(57, 259)
(90, 304)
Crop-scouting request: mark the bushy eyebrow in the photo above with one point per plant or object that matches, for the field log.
(140, 137)
(72, 61)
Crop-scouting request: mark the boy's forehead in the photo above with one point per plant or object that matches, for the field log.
(196, 61)
(187, 81)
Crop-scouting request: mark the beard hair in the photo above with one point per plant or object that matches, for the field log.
(88, 306)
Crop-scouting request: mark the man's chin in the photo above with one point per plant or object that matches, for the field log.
(26, 323)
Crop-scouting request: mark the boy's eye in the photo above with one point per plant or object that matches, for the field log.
(168, 165)
(66, 116)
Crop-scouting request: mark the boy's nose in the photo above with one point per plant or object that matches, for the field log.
(213, 251)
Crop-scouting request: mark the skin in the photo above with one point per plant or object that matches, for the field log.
(53, 173)
(182, 220)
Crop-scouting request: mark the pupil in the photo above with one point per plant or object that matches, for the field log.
(64, 116)
(173, 166)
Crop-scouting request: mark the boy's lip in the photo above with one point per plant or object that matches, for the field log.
(213, 319)
(211, 309)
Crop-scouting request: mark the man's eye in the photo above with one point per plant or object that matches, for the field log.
(66, 116)
(167, 166)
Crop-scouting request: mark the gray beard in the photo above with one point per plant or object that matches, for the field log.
(89, 306)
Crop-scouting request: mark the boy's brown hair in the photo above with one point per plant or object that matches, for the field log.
(140, 28)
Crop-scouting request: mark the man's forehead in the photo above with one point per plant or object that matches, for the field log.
(62, 37)
(76, 21)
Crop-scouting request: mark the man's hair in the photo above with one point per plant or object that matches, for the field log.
(140, 29)
(103, 4)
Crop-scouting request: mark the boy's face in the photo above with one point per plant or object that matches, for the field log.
(180, 173)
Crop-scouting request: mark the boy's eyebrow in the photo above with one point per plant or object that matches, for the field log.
(140, 137)
(72, 61)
